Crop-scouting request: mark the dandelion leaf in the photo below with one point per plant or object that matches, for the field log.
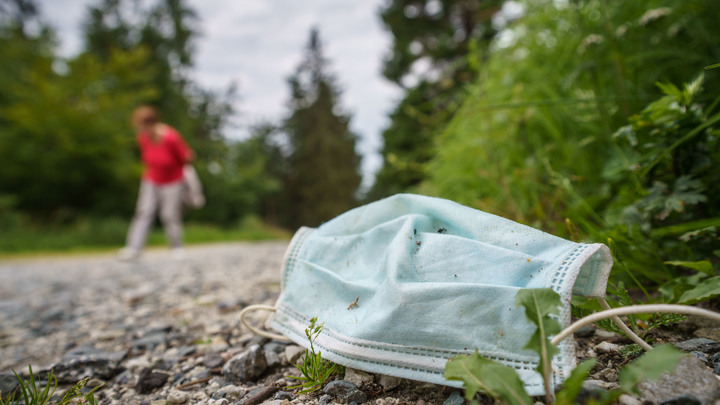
(706, 290)
(539, 304)
(494, 379)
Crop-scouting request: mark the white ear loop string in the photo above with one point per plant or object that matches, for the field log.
(620, 324)
(257, 331)
(634, 309)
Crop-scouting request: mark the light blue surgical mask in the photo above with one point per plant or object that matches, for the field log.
(405, 283)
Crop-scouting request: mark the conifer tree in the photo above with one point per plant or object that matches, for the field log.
(322, 175)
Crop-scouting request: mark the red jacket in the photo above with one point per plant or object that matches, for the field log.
(163, 160)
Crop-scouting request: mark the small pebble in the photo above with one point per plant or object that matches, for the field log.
(699, 344)
(700, 355)
(454, 399)
(629, 400)
(293, 353)
(357, 377)
(607, 347)
(389, 382)
(177, 397)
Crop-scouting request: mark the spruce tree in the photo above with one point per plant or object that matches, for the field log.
(322, 172)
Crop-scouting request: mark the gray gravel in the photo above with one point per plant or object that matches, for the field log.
(161, 331)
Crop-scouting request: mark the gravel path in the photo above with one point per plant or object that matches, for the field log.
(162, 331)
(46, 307)
(92, 316)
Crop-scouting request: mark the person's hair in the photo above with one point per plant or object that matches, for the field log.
(144, 115)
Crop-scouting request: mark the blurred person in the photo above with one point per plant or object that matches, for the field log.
(164, 153)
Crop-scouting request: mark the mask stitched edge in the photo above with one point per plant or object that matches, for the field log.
(433, 375)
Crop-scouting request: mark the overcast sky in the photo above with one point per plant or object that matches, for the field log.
(258, 43)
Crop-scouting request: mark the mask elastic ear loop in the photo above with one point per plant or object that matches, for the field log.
(261, 332)
(620, 324)
(634, 309)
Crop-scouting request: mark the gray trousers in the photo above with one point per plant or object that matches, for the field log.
(166, 197)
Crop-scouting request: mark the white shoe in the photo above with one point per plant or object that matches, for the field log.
(177, 254)
(128, 254)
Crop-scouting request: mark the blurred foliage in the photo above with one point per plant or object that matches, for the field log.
(429, 59)
(537, 140)
(28, 238)
(69, 154)
(70, 161)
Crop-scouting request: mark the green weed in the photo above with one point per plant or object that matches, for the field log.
(315, 370)
(32, 392)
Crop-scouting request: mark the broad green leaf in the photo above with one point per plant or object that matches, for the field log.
(703, 266)
(481, 374)
(538, 304)
(572, 386)
(675, 288)
(649, 367)
(709, 288)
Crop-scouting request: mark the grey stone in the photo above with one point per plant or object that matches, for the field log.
(388, 382)
(274, 347)
(454, 399)
(284, 395)
(704, 345)
(346, 391)
(690, 378)
(293, 353)
(272, 358)
(715, 360)
(607, 347)
(356, 396)
(8, 383)
(232, 392)
(124, 378)
(702, 356)
(185, 351)
(708, 333)
(177, 397)
(628, 400)
(325, 399)
(213, 360)
(151, 341)
(357, 377)
(338, 388)
(150, 380)
(246, 366)
(84, 362)
(198, 373)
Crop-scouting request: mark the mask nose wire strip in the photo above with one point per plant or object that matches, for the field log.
(620, 324)
(634, 309)
(257, 331)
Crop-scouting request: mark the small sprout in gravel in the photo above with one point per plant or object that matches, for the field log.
(315, 370)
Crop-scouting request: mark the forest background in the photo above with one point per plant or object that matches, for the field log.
(592, 120)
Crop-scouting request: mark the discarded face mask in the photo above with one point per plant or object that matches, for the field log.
(406, 283)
